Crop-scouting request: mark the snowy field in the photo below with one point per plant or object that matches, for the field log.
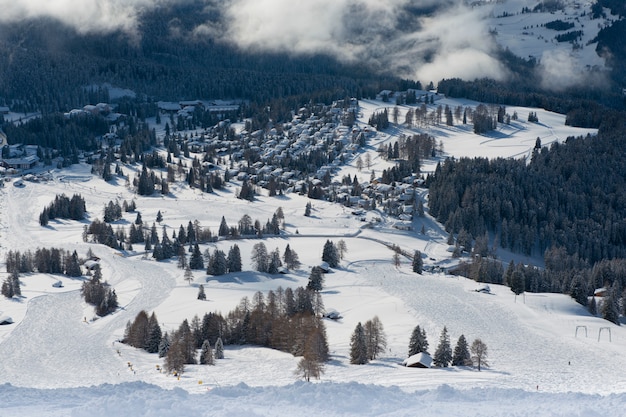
(59, 360)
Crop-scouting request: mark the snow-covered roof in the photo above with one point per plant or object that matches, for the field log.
(5, 320)
(419, 360)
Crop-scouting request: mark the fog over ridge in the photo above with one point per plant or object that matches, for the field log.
(425, 40)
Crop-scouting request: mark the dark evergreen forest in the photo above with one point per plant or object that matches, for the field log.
(571, 196)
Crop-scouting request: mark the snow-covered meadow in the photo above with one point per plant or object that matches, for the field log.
(58, 360)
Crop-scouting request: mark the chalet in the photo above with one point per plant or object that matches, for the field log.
(419, 360)
(601, 292)
(26, 162)
(332, 314)
(4, 110)
(484, 289)
(91, 264)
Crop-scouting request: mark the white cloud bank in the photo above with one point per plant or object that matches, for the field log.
(451, 43)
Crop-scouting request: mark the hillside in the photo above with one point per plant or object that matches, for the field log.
(540, 362)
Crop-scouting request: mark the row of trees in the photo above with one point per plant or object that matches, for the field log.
(64, 208)
(45, 261)
(444, 354)
(284, 319)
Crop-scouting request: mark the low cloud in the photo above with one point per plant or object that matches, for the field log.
(86, 16)
(452, 42)
(560, 70)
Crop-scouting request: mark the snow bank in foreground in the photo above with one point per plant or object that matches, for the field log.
(327, 399)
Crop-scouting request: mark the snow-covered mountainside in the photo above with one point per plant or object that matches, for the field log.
(547, 355)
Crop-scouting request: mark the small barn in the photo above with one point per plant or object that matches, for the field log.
(419, 360)
(92, 264)
(4, 320)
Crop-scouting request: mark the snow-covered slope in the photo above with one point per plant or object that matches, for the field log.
(539, 363)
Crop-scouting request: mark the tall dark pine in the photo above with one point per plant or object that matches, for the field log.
(461, 355)
(196, 260)
(316, 279)
(443, 354)
(330, 254)
(418, 262)
(154, 334)
(234, 259)
(201, 293)
(291, 258)
(223, 230)
(418, 342)
(358, 346)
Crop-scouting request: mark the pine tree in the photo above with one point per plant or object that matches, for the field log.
(358, 346)
(7, 288)
(316, 279)
(159, 217)
(164, 345)
(217, 264)
(201, 293)
(223, 229)
(274, 262)
(593, 307)
(578, 290)
(188, 275)
(418, 342)
(196, 261)
(219, 349)
(154, 335)
(291, 259)
(610, 305)
(461, 355)
(443, 353)
(307, 209)
(206, 354)
(517, 282)
(330, 254)
(234, 259)
(418, 262)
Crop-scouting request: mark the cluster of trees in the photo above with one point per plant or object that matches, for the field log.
(462, 355)
(570, 36)
(333, 253)
(248, 227)
(113, 210)
(408, 151)
(270, 262)
(559, 25)
(284, 319)
(45, 261)
(11, 286)
(367, 341)
(379, 119)
(99, 294)
(64, 208)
